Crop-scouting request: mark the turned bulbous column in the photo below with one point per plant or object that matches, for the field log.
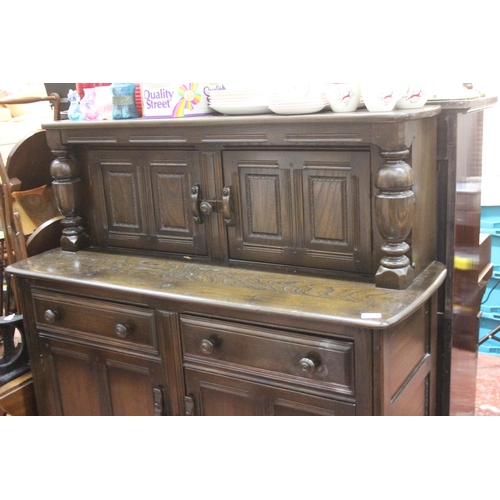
(394, 208)
(68, 189)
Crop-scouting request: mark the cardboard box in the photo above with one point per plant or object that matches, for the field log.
(176, 100)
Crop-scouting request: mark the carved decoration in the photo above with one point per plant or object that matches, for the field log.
(394, 207)
(67, 187)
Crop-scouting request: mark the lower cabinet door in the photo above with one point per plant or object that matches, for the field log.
(83, 380)
(219, 395)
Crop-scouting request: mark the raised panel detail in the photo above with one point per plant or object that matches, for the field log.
(124, 379)
(171, 176)
(263, 202)
(169, 201)
(74, 380)
(171, 213)
(332, 211)
(327, 209)
(265, 208)
(304, 406)
(407, 347)
(86, 380)
(221, 396)
(122, 195)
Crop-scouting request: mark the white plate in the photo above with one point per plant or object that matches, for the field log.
(297, 109)
(240, 102)
(227, 95)
(298, 104)
(234, 109)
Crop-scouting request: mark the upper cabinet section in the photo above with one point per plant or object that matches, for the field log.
(332, 192)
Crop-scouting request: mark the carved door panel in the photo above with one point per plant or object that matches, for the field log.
(221, 395)
(72, 379)
(85, 381)
(210, 395)
(144, 200)
(308, 209)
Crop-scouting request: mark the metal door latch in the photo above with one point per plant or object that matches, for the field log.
(203, 208)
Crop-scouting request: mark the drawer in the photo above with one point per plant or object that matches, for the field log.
(106, 322)
(300, 359)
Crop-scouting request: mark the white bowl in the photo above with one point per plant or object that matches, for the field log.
(414, 96)
(380, 97)
(343, 97)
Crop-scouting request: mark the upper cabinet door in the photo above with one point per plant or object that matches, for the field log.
(301, 208)
(144, 200)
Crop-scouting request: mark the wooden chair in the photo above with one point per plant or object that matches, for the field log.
(30, 159)
(31, 223)
(14, 361)
(30, 183)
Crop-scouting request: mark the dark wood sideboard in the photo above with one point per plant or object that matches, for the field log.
(253, 265)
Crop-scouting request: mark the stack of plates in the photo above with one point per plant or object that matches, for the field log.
(299, 100)
(240, 102)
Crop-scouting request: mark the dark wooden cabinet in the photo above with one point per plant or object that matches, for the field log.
(261, 265)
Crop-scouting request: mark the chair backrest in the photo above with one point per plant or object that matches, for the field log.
(54, 98)
(13, 237)
(15, 246)
(29, 161)
(29, 208)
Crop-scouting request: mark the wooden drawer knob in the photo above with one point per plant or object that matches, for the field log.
(207, 346)
(122, 330)
(307, 365)
(51, 316)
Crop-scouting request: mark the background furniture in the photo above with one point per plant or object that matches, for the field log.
(17, 397)
(461, 246)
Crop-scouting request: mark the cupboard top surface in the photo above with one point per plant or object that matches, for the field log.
(325, 117)
(345, 302)
(388, 130)
(465, 105)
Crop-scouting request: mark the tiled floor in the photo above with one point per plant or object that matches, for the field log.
(488, 385)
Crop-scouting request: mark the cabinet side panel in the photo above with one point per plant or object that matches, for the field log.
(408, 357)
(423, 238)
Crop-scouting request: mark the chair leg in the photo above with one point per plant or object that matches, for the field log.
(490, 335)
(14, 361)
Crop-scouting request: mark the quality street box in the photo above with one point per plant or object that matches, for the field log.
(176, 100)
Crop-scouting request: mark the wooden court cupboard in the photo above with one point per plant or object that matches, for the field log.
(253, 265)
